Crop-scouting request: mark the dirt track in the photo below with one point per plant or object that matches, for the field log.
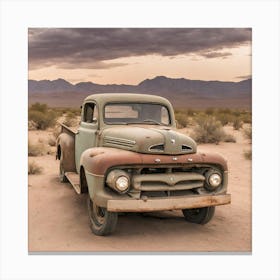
(58, 219)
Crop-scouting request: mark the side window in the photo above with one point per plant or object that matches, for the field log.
(90, 113)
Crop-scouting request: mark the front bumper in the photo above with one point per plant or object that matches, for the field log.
(161, 204)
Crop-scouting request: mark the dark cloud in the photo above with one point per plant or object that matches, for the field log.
(216, 54)
(92, 47)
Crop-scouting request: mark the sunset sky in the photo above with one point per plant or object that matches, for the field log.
(129, 55)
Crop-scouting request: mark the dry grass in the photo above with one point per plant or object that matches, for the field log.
(35, 150)
(248, 154)
(52, 141)
(56, 131)
(34, 168)
(248, 133)
(70, 119)
(237, 123)
(229, 138)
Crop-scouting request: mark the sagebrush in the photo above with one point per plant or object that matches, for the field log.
(208, 130)
(42, 116)
(248, 154)
(34, 168)
(35, 150)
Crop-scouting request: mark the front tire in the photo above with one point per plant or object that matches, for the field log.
(199, 215)
(102, 222)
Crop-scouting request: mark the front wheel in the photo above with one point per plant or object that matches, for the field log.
(199, 215)
(102, 222)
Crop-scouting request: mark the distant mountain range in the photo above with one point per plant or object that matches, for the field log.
(181, 92)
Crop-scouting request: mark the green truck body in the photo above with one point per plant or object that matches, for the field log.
(127, 156)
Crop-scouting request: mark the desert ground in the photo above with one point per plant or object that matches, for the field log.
(58, 219)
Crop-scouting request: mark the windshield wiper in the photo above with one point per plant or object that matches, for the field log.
(153, 121)
(146, 121)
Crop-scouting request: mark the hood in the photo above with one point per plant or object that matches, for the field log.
(147, 140)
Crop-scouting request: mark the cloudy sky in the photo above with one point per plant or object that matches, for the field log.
(129, 55)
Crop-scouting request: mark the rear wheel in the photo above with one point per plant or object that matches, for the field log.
(62, 176)
(199, 215)
(102, 222)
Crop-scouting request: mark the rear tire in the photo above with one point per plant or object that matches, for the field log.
(102, 222)
(62, 176)
(199, 215)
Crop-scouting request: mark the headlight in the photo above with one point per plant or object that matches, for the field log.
(213, 180)
(122, 183)
(118, 180)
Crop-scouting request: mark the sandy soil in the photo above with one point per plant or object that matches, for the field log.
(58, 219)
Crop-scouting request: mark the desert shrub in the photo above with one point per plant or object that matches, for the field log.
(75, 111)
(42, 116)
(236, 113)
(39, 107)
(56, 131)
(191, 112)
(35, 150)
(246, 117)
(208, 130)
(248, 154)
(248, 133)
(237, 123)
(64, 110)
(229, 138)
(70, 119)
(182, 119)
(32, 125)
(209, 111)
(224, 111)
(52, 141)
(34, 168)
(224, 118)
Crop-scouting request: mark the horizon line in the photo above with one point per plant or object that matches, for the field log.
(160, 76)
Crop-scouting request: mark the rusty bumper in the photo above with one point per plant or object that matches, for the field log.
(161, 204)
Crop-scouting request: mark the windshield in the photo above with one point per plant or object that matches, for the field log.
(133, 113)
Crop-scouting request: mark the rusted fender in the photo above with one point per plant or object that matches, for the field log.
(98, 160)
(65, 144)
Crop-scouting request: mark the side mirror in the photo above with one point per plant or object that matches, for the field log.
(94, 120)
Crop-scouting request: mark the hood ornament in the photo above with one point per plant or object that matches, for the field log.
(172, 141)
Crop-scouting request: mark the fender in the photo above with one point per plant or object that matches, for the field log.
(66, 150)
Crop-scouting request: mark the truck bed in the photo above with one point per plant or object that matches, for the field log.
(66, 129)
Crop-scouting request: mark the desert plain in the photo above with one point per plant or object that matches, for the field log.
(58, 219)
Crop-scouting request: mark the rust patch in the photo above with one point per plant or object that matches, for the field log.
(147, 205)
(98, 160)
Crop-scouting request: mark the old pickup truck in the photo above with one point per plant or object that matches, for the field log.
(127, 156)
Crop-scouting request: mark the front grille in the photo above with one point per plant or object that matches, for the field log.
(168, 181)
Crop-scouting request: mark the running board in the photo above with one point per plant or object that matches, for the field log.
(74, 180)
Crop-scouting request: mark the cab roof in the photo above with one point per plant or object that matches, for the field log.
(103, 98)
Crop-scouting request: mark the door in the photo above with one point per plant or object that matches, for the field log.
(86, 136)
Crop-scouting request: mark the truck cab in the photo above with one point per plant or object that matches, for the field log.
(127, 156)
